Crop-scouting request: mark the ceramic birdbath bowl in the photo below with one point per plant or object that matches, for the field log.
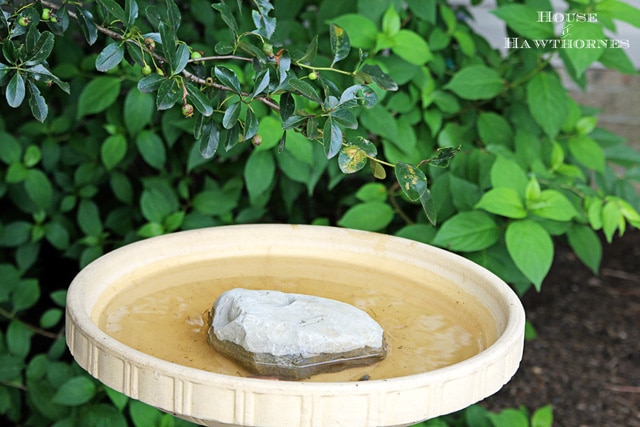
(454, 331)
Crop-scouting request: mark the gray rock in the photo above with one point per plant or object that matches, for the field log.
(293, 336)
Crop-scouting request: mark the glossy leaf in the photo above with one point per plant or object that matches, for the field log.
(38, 104)
(552, 204)
(287, 106)
(228, 78)
(39, 188)
(340, 45)
(332, 138)
(231, 115)
(412, 180)
(305, 89)
(150, 83)
(87, 26)
(374, 74)
(15, 91)
(250, 125)
(41, 49)
(115, 10)
(110, 57)
(131, 12)
(587, 152)
(169, 92)
(41, 74)
(227, 17)
(311, 52)
(354, 155)
(199, 100)
(209, 141)
(531, 249)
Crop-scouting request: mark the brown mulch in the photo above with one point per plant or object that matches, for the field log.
(585, 361)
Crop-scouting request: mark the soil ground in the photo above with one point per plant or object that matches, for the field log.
(585, 361)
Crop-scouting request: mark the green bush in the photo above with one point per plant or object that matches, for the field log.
(390, 116)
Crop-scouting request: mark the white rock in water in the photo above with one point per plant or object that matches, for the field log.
(293, 335)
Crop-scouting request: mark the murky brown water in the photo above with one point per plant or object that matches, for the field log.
(423, 331)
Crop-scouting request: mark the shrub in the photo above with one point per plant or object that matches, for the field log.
(386, 116)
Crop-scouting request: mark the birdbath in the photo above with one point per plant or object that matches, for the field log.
(455, 331)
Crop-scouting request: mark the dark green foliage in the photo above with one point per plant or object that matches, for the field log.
(387, 116)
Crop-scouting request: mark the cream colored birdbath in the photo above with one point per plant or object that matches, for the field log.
(397, 267)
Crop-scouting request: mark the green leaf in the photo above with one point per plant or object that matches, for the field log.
(580, 44)
(524, 21)
(42, 48)
(39, 188)
(259, 173)
(15, 233)
(476, 82)
(138, 111)
(168, 38)
(18, 337)
(182, 56)
(611, 219)
(362, 31)
(531, 249)
(506, 173)
(467, 232)
(154, 205)
(50, 318)
(547, 101)
(98, 95)
(169, 93)
(115, 10)
(373, 73)
(110, 57)
(113, 150)
(227, 17)
(369, 216)
(144, 415)
(26, 295)
(509, 417)
(412, 180)
(621, 10)
(38, 104)
(150, 83)
(76, 391)
(372, 192)
(552, 204)
(340, 45)
(228, 78)
(89, 218)
(57, 235)
(209, 141)
(391, 21)
(87, 26)
(411, 47)
(250, 125)
(131, 12)
(152, 149)
(15, 91)
(231, 115)
(305, 89)
(332, 138)
(101, 415)
(353, 156)
(587, 152)
(213, 202)
(494, 129)
(504, 202)
(11, 367)
(586, 245)
(542, 417)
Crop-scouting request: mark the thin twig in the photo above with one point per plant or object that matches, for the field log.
(623, 388)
